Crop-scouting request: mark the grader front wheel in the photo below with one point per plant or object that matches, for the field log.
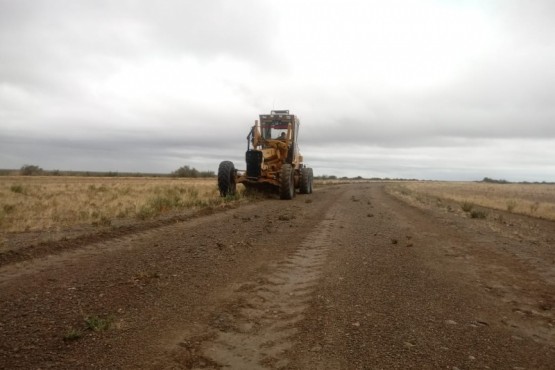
(286, 182)
(226, 179)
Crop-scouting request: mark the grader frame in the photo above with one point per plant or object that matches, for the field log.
(273, 159)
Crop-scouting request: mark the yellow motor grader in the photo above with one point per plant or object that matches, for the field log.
(273, 159)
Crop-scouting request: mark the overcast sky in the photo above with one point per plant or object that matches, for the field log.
(430, 89)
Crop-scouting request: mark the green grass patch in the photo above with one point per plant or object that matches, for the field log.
(17, 188)
(72, 335)
(97, 323)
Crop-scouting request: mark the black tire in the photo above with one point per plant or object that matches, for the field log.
(286, 182)
(304, 187)
(226, 179)
(310, 180)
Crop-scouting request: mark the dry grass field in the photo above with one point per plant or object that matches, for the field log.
(36, 203)
(536, 200)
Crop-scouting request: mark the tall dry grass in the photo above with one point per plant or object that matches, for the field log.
(45, 203)
(537, 200)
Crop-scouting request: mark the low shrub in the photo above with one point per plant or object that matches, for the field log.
(73, 334)
(534, 207)
(467, 206)
(478, 214)
(17, 188)
(145, 212)
(511, 205)
(97, 323)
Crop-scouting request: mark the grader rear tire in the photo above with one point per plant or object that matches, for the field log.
(286, 182)
(305, 181)
(310, 181)
(226, 179)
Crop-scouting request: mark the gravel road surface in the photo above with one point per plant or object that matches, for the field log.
(349, 277)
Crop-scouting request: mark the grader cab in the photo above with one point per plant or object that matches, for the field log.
(273, 159)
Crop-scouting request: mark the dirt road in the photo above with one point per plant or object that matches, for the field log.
(346, 278)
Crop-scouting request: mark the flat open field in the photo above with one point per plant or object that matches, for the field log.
(353, 276)
(535, 200)
(37, 203)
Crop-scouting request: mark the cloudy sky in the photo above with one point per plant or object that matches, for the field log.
(430, 89)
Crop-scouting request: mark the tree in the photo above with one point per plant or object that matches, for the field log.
(30, 170)
(494, 181)
(186, 171)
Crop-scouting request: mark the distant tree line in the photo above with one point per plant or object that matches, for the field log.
(495, 181)
(191, 172)
(186, 171)
(34, 170)
(501, 181)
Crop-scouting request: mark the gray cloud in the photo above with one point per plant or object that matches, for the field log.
(435, 89)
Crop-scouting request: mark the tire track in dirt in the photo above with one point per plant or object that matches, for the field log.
(33, 245)
(61, 259)
(255, 328)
